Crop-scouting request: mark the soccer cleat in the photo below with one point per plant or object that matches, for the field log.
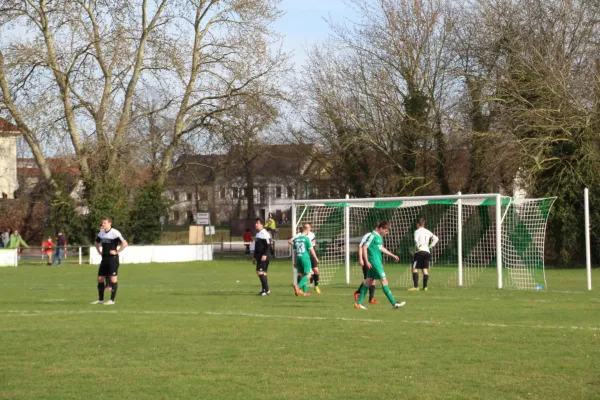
(373, 301)
(317, 290)
(360, 306)
(97, 302)
(109, 303)
(424, 289)
(263, 293)
(297, 290)
(398, 305)
(413, 289)
(306, 294)
(356, 296)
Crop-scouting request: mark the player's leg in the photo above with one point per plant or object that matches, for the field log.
(388, 293)
(102, 273)
(315, 275)
(363, 291)
(357, 292)
(415, 273)
(114, 284)
(261, 271)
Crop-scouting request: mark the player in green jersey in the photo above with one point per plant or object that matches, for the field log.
(303, 249)
(373, 254)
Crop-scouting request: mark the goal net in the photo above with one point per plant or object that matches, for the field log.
(484, 240)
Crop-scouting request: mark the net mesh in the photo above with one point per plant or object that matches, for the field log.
(523, 229)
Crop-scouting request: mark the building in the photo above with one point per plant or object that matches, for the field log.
(8, 159)
(219, 184)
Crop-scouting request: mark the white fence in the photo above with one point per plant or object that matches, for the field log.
(8, 257)
(147, 254)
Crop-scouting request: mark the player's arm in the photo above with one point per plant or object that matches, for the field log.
(389, 253)
(366, 257)
(98, 245)
(434, 240)
(360, 256)
(123, 245)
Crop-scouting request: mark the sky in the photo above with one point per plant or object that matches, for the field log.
(303, 23)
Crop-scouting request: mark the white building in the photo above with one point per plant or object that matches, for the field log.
(8, 159)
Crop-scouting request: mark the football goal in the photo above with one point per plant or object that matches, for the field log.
(485, 240)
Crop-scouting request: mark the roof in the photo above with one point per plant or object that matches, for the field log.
(28, 166)
(8, 129)
(199, 168)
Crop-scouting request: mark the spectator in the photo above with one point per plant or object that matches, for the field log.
(47, 249)
(16, 241)
(271, 227)
(60, 248)
(284, 220)
(247, 240)
(4, 237)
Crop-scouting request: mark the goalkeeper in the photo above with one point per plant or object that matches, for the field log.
(424, 241)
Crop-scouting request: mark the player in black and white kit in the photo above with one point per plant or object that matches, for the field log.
(424, 241)
(112, 243)
(262, 250)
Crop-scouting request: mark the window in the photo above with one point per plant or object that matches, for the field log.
(203, 196)
(176, 216)
(290, 192)
(278, 192)
(244, 192)
(222, 192)
(262, 194)
(176, 196)
(189, 197)
(235, 191)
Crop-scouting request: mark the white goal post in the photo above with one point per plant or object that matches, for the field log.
(485, 239)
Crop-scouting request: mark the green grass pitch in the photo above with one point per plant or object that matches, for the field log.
(197, 331)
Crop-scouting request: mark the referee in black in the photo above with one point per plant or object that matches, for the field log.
(112, 244)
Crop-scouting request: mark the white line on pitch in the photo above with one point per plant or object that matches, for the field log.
(32, 313)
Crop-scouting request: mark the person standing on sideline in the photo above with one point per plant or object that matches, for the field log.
(16, 241)
(61, 246)
(47, 249)
(271, 227)
(424, 241)
(363, 264)
(262, 249)
(306, 259)
(373, 254)
(112, 243)
(4, 236)
(247, 239)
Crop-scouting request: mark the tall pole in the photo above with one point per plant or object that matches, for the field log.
(459, 242)
(347, 238)
(294, 217)
(499, 239)
(588, 256)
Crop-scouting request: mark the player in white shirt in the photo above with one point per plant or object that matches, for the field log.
(362, 263)
(424, 241)
(314, 278)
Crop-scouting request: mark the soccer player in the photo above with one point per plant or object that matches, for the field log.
(313, 259)
(361, 261)
(305, 257)
(112, 243)
(424, 240)
(373, 251)
(262, 249)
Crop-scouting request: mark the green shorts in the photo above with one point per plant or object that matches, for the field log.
(303, 266)
(376, 272)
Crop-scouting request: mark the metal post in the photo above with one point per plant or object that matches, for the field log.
(294, 216)
(347, 238)
(80, 256)
(588, 257)
(499, 239)
(459, 242)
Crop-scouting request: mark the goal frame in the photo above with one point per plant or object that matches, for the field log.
(458, 197)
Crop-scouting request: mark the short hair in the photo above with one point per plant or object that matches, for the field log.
(383, 225)
(259, 220)
(306, 225)
(109, 219)
(421, 222)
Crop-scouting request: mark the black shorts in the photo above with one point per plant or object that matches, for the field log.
(262, 266)
(109, 266)
(421, 260)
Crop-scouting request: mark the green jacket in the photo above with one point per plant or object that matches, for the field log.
(16, 242)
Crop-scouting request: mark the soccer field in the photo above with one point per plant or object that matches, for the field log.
(197, 331)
